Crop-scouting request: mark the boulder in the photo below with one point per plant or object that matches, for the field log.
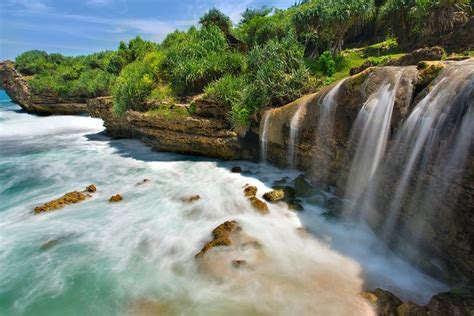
(451, 304)
(411, 309)
(144, 181)
(91, 188)
(115, 198)
(302, 187)
(274, 195)
(236, 169)
(260, 206)
(250, 190)
(221, 236)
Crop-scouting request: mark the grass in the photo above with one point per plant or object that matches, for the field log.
(350, 58)
(169, 111)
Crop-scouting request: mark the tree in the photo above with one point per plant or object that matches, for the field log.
(217, 18)
(250, 14)
(332, 19)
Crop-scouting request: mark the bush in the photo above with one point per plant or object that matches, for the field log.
(226, 91)
(33, 62)
(92, 83)
(327, 63)
(198, 57)
(277, 73)
(133, 87)
(217, 18)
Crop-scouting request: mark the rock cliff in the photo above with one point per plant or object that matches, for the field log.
(423, 183)
(202, 135)
(16, 86)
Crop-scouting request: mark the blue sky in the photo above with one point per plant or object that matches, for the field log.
(78, 27)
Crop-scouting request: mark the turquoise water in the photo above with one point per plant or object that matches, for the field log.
(137, 256)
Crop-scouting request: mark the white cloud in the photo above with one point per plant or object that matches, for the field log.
(29, 5)
(99, 3)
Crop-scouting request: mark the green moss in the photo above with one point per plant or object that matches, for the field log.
(429, 70)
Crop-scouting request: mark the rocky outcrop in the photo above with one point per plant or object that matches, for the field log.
(387, 304)
(16, 86)
(421, 54)
(67, 199)
(193, 134)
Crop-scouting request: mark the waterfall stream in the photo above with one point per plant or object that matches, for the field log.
(263, 136)
(369, 137)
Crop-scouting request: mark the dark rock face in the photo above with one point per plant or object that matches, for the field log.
(387, 304)
(211, 137)
(17, 88)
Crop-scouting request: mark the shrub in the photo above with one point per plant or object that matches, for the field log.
(327, 63)
(201, 56)
(92, 83)
(217, 18)
(33, 62)
(132, 87)
(226, 91)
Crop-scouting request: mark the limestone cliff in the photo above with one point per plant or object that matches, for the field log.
(197, 135)
(16, 86)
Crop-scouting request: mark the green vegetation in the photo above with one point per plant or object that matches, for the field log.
(269, 58)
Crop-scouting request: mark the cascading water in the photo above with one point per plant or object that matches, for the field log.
(368, 139)
(263, 136)
(327, 111)
(436, 138)
(294, 130)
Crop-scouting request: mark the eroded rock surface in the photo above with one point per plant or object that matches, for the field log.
(67, 199)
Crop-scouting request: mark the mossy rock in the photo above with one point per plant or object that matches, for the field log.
(428, 71)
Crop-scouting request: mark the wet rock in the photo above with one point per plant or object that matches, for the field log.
(221, 236)
(411, 309)
(250, 190)
(334, 207)
(295, 206)
(274, 196)
(67, 199)
(191, 199)
(288, 191)
(282, 182)
(260, 206)
(428, 71)
(115, 198)
(384, 302)
(144, 181)
(364, 66)
(236, 169)
(451, 304)
(302, 187)
(91, 188)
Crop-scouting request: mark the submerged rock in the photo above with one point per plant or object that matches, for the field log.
(115, 198)
(274, 196)
(66, 199)
(144, 181)
(191, 199)
(259, 205)
(302, 187)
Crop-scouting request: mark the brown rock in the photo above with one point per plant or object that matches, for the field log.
(413, 58)
(274, 196)
(259, 205)
(115, 198)
(68, 198)
(191, 199)
(384, 302)
(91, 188)
(250, 190)
(221, 236)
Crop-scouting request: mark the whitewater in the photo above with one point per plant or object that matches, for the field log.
(136, 257)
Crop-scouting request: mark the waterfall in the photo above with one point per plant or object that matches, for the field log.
(369, 137)
(434, 141)
(263, 136)
(327, 110)
(294, 130)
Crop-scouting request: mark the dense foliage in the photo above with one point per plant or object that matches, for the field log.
(269, 58)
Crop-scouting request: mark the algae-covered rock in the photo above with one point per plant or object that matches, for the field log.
(91, 188)
(384, 302)
(274, 195)
(250, 190)
(191, 199)
(66, 199)
(221, 236)
(428, 71)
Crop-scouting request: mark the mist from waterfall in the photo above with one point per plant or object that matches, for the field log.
(368, 140)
